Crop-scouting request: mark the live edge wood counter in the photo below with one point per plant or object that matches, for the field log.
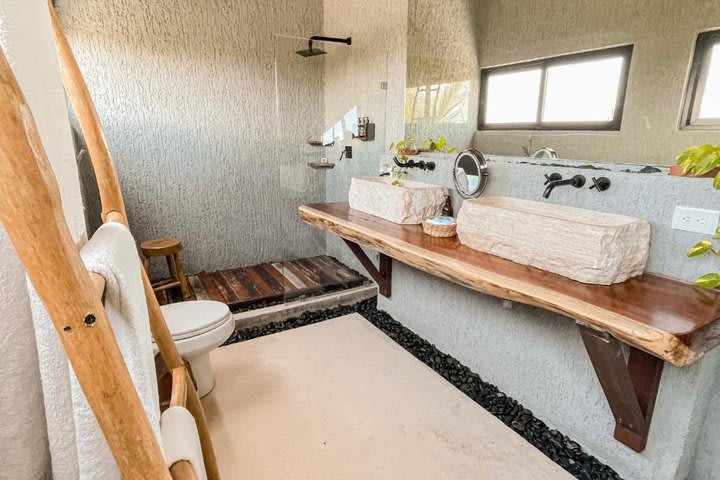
(669, 319)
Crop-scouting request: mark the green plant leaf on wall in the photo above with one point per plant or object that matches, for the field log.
(709, 280)
(685, 155)
(701, 160)
(686, 159)
(706, 163)
(700, 248)
(690, 157)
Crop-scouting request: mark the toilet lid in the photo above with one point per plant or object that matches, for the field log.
(190, 319)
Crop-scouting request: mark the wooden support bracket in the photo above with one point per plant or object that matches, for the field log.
(383, 275)
(630, 388)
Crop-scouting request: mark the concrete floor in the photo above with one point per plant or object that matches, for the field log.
(341, 400)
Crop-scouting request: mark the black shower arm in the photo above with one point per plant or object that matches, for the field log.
(346, 41)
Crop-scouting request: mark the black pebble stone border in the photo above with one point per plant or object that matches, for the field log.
(556, 446)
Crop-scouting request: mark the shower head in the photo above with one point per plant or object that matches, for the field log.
(314, 52)
(310, 51)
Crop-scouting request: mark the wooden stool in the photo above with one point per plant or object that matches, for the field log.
(170, 249)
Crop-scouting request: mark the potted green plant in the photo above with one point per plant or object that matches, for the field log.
(407, 146)
(702, 161)
(709, 280)
(404, 147)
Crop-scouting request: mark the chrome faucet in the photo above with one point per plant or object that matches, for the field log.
(555, 180)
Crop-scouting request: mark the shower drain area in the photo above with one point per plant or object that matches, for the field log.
(558, 447)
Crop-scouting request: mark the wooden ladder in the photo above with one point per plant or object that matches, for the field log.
(31, 211)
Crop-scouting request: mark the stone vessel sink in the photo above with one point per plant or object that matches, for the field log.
(585, 245)
(408, 202)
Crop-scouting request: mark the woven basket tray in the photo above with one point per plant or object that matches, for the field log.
(438, 229)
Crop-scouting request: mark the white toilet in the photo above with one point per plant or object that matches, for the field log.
(197, 328)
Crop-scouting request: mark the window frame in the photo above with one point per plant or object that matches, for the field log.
(624, 51)
(696, 84)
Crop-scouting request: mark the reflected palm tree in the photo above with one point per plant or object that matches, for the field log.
(438, 103)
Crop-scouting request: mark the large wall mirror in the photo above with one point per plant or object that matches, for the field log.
(602, 80)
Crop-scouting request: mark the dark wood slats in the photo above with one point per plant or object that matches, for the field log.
(265, 289)
(268, 279)
(258, 285)
(228, 284)
(287, 285)
(299, 273)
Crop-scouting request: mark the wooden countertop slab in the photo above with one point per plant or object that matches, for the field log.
(668, 318)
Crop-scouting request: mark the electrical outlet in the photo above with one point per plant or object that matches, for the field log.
(695, 220)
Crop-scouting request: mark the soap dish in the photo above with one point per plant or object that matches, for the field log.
(440, 226)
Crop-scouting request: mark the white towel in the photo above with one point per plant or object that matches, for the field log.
(23, 439)
(181, 440)
(55, 377)
(112, 253)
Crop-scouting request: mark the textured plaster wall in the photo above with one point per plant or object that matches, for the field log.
(538, 357)
(186, 92)
(664, 34)
(26, 39)
(353, 77)
(707, 452)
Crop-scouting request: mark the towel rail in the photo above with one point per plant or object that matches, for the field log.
(98, 282)
(178, 395)
(31, 211)
(182, 470)
(77, 91)
(113, 209)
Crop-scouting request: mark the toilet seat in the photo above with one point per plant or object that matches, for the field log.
(191, 319)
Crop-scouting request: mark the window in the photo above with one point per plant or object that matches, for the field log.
(581, 91)
(702, 97)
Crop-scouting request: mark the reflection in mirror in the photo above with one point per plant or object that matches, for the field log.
(470, 173)
(570, 76)
(440, 105)
(442, 83)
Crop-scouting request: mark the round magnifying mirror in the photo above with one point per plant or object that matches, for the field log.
(470, 173)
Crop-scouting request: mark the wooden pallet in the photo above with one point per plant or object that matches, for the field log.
(266, 284)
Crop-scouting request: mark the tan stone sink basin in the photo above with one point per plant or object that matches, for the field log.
(408, 202)
(585, 245)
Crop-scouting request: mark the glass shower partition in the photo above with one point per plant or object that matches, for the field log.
(326, 100)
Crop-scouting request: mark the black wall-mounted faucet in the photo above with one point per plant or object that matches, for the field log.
(600, 184)
(555, 180)
(410, 163)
